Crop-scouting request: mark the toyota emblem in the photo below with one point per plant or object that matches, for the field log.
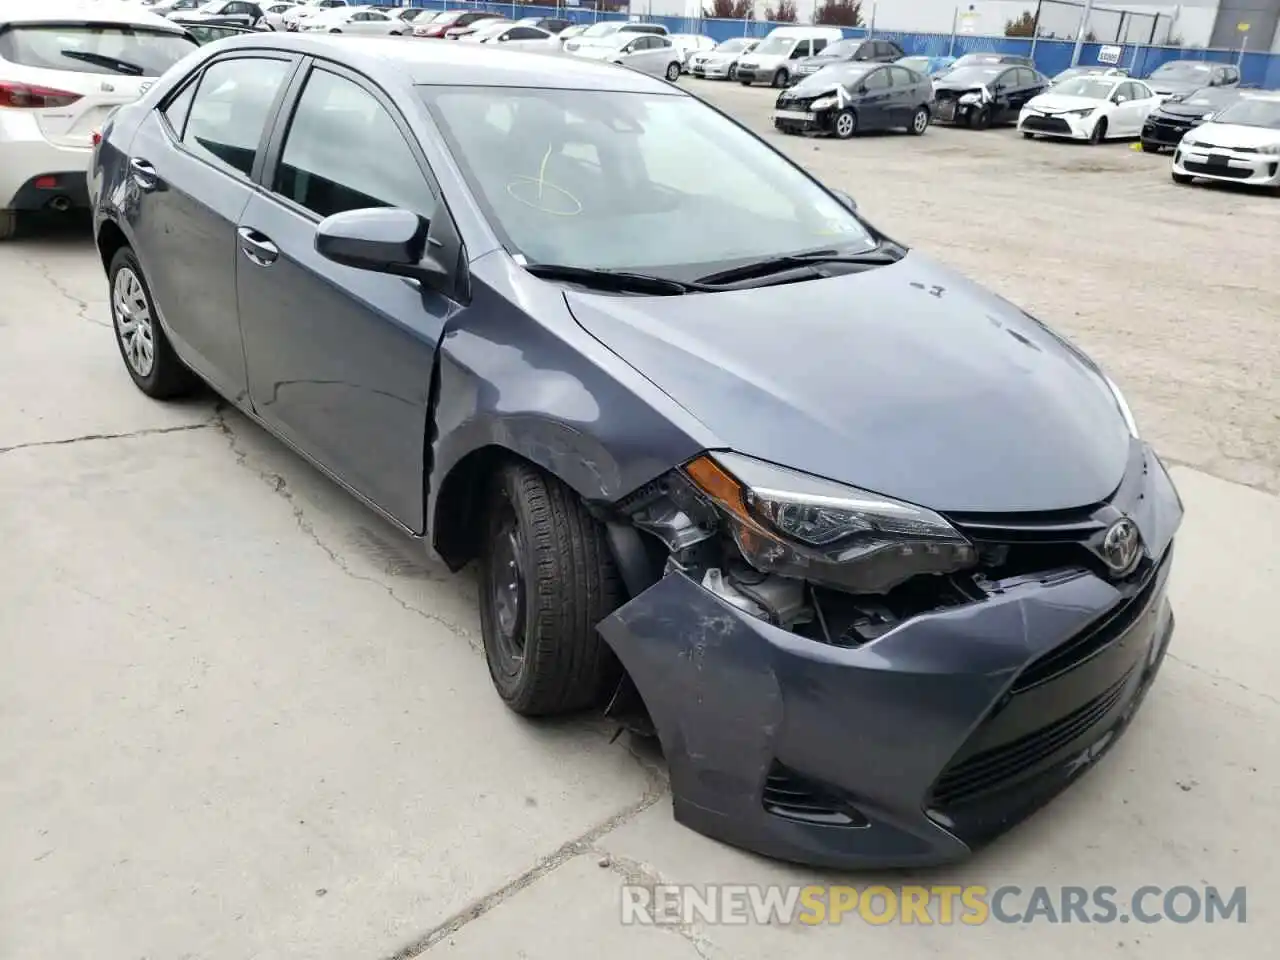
(1122, 547)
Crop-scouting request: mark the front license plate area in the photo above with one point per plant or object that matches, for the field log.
(794, 115)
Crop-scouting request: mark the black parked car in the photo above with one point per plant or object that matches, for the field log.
(881, 591)
(989, 59)
(550, 24)
(985, 95)
(851, 97)
(842, 51)
(1167, 123)
(1181, 77)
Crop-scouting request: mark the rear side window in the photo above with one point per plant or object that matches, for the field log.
(902, 77)
(344, 151)
(230, 110)
(116, 50)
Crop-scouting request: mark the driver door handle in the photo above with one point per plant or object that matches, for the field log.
(257, 247)
(144, 173)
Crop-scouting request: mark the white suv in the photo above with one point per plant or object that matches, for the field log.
(64, 66)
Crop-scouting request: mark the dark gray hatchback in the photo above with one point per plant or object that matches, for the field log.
(879, 558)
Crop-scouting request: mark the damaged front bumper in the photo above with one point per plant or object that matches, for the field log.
(914, 748)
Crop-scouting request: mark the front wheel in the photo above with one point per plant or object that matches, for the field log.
(979, 119)
(844, 124)
(733, 72)
(780, 78)
(1099, 132)
(546, 579)
(1149, 147)
(673, 72)
(1181, 178)
(919, 122)
(8, 224)
(148, 356)
(1028, 136)
(745, 83)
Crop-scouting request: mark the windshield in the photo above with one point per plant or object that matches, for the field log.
(973, 75)
(1182, 70)
(1094, 88)
(1252, 112)
(841, 48)
(121, 49)
(920, 64)
(772, 46)
(732, 46)
(845, 74)
(447, 16)
(602, 180)
(600, 29)
(970, 59)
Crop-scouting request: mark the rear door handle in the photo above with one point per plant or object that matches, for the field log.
(257, 247)
(144, 172)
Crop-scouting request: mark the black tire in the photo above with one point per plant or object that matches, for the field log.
(541, 645)
(396, 33)
(335, 30)
(168, 376)
(1028, 136)
(1149, 147)
(8, 224)
(733, 72)
(844, 125)
(780, 77)
(979, 119)
(1099, 132)
(1182, 178)
(919, 122)
(745, 83)
(673, 72)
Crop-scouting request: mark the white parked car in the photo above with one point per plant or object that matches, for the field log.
(646, 52)
(604, 32)
(65, 65)
(1239, 144)
(166, 7)
(721, 63)
(1093, 108)
(690, 43)
(292, 19)
(233, 13)
(364, 21)
(274, 13)
(513, 36)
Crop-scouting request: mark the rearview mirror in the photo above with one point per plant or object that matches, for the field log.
(847, 200)
(382, 240)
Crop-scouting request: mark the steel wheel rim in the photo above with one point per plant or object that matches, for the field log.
(134, 326)
(506, 593)
(844, 125)
(921, 121)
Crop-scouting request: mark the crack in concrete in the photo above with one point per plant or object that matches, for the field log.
(1272, 698)
(639, 873)
(280, 487)
(132, 434)
(656, 788)
(82, 306)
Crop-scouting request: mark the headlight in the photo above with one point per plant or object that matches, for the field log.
(974, 97)
(1125, 412)
(812, 529)
(1271, 149)
(1083, 112)
(823, 103)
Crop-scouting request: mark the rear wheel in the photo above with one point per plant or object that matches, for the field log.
(781, 77)
(148, 356)
(1099, 132)
(673, 72)
(919, 121)
(547, 578)
(844, 124)
(1028, 136)
(8, 224)
(335, 30)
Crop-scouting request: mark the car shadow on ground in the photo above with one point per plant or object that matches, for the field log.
(72, 228)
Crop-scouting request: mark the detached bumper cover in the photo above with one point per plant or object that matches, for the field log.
(915, 748)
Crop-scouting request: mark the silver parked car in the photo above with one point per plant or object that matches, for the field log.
(649, 53)
(721, 63)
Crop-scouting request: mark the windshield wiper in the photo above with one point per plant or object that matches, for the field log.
(620, 281)
(102, 60)
(881, 256)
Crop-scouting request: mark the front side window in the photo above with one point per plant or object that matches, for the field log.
(602, 179)
(343, 151)
(877, 80)
(230, 110)
(108, 49)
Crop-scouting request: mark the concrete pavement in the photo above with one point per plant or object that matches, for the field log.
(239, 717)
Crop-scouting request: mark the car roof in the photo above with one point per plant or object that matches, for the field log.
(449, 64)
(74, 11)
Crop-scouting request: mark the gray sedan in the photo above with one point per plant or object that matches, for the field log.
(646, 52)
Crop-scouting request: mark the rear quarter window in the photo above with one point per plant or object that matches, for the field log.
(80, 48)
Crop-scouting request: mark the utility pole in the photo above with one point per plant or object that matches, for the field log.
(1084, 27)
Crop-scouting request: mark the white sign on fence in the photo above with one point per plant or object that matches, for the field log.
(1110, 54)
(969, 22)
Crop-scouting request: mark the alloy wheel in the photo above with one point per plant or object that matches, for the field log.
(507, 594)
(845, 125)
(133, 321)
(920, 121)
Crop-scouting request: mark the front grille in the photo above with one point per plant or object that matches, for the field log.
(992, 768)
(1166, 131)
(796, 797)
(1217, 170)
(1046, 124)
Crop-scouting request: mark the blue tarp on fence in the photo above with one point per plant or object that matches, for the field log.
(1051, 56)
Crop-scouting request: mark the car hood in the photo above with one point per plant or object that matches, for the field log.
(1185, 110)
(1169, 88)
(1231, 135)
(906, 380)
(1058, 102)
(808, 89)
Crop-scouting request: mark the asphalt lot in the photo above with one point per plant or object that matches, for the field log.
(241, 718)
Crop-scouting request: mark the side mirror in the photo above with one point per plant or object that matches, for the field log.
(847, 200)
(381, 240)
(1119, 98)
